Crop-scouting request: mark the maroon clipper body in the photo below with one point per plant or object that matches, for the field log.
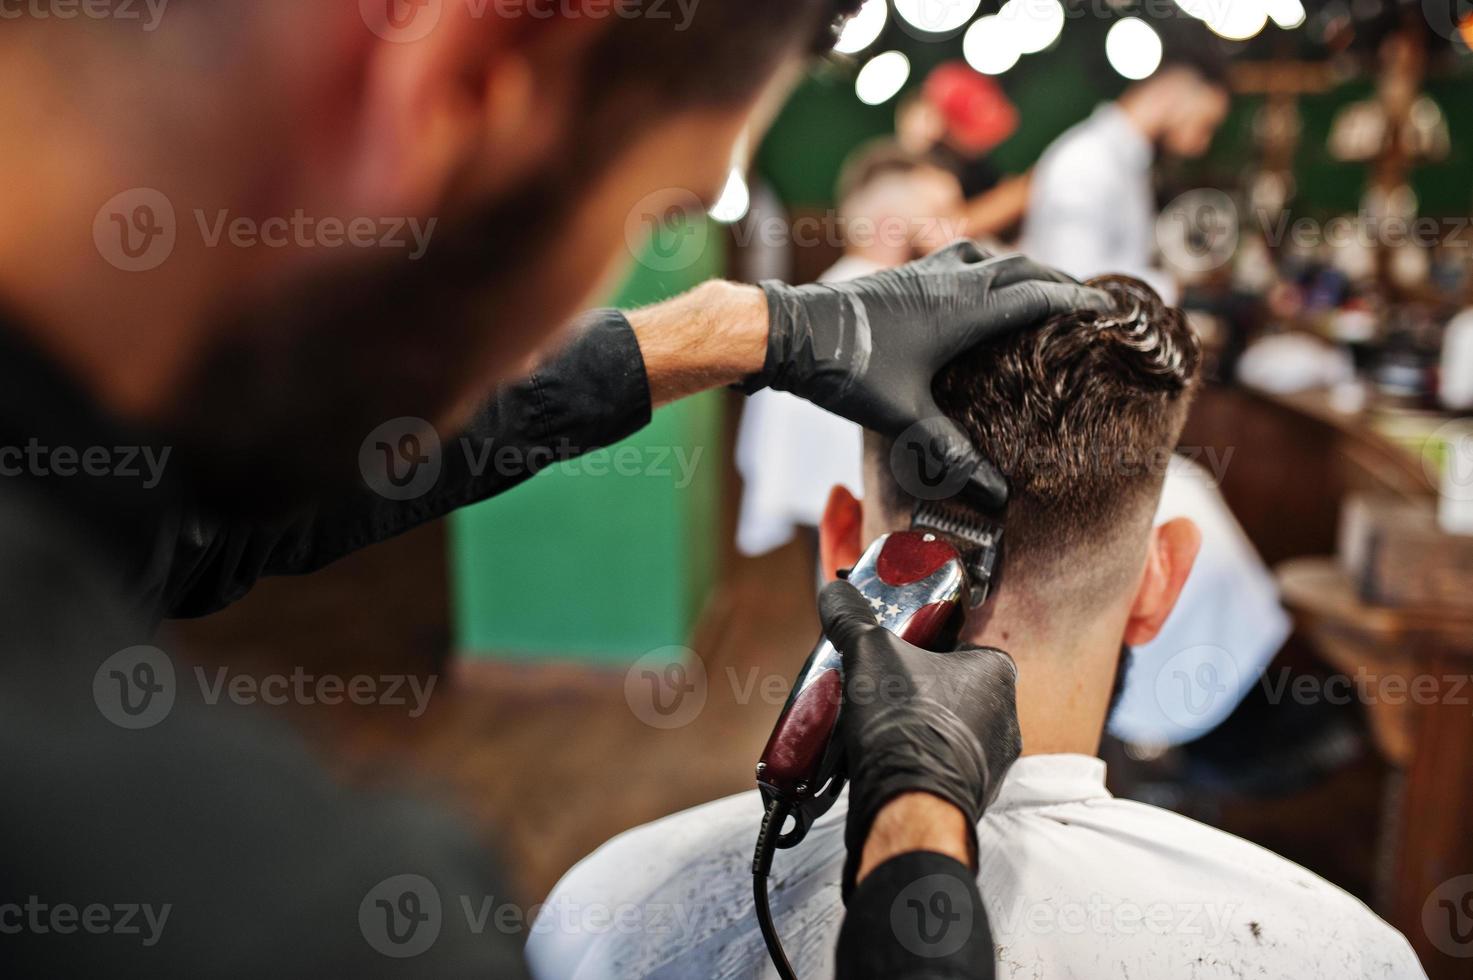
(920, 587)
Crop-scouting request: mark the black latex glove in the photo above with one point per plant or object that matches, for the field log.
(917, 721)
(869, 349)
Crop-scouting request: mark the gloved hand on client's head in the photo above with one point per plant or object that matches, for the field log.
(869, 349)
(917, 721)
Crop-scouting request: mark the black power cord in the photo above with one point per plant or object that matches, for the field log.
(772, 825)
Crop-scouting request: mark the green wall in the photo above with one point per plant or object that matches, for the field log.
(609, 556)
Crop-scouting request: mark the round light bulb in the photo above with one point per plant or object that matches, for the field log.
(1133, 48)
(882, 78)
(990, 45)
(864, 28)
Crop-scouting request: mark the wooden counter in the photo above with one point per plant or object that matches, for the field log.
(1412, 670)
(1288, 462)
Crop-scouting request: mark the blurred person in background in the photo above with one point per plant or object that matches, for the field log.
(894, 206)
(957, 119)
(1078, 883)
(185, 274)
(1092, 203)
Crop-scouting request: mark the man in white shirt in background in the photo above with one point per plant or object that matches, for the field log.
(1081, 416)
(1092, 203)
(893, 207)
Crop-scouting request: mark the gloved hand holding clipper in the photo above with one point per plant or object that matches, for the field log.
(915, 721)
(868, 349)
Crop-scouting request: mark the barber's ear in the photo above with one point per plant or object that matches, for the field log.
(455, 97)
(1173, 549)
(838, 533)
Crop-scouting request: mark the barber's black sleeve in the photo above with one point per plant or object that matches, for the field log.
(592, 394)
(918, 916)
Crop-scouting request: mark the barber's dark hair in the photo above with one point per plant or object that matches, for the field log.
(723, 55)
(657, 57)
(1081, 415)
(648, 66)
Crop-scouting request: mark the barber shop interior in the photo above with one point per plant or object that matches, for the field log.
(737, 489)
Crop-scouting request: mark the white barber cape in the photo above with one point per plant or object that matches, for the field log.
(1077, 884)
(791, 452)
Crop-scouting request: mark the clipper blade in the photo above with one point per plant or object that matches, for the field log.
(978, 540)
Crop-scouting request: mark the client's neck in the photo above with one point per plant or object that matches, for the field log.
(1066, 668)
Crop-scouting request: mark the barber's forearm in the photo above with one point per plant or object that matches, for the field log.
(916, 913)
(714, 335)
(915, 822)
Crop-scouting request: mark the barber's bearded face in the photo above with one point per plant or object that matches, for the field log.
(280, 403)
(294, 380)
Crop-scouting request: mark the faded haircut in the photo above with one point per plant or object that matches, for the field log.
(1082, 416)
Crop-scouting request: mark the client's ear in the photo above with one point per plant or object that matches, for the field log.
(1173, 548)
(838, 533)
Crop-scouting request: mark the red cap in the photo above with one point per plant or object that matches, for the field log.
(977, 111)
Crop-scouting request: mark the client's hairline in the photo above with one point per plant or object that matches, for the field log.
(1090, 588)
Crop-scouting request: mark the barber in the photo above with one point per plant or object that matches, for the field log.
(265, 373)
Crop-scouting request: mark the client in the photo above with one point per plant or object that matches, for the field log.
(1082, 415)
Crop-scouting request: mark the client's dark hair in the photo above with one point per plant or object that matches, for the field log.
(1081, 415)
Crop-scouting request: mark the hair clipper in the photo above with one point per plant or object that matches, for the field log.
(921, 583)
